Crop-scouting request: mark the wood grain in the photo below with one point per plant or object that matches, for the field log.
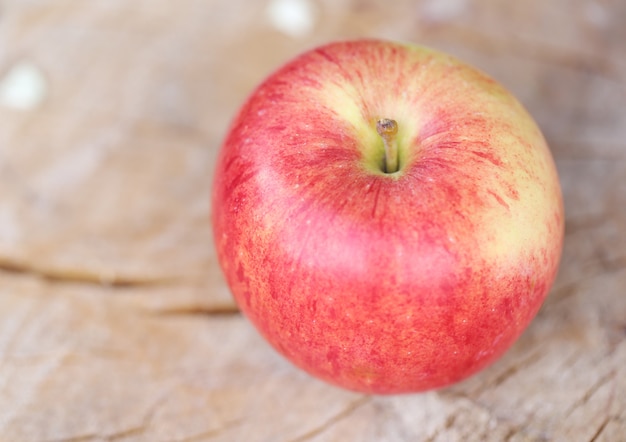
(115, 323)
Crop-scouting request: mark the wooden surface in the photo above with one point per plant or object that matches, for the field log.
(115, 323)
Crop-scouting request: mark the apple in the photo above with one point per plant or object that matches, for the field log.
(388, 217)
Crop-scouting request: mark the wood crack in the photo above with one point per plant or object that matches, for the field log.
(92, 279)
(84, 438)
(511, 370)
(510, 427)
(212, 433)
(590, 392)
(449, 423)
(217, 310)
(600, 429)
(78, 276)
(145, 422)
(351, 408)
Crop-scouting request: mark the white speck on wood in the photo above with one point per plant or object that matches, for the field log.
(24, 87)
(295, 18)
(596, 14)
(442, 10)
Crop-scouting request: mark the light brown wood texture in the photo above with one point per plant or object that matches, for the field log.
(115, 323)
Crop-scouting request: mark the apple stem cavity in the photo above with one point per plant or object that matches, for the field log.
(388, 129)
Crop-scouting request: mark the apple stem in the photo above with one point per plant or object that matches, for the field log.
(388, 129)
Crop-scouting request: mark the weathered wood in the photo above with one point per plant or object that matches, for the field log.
(115, 323)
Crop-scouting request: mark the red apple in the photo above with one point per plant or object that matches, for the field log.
(388, 217)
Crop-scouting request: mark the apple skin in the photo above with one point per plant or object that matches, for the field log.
(386, 282)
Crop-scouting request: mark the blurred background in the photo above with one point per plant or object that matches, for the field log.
(115, 322)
